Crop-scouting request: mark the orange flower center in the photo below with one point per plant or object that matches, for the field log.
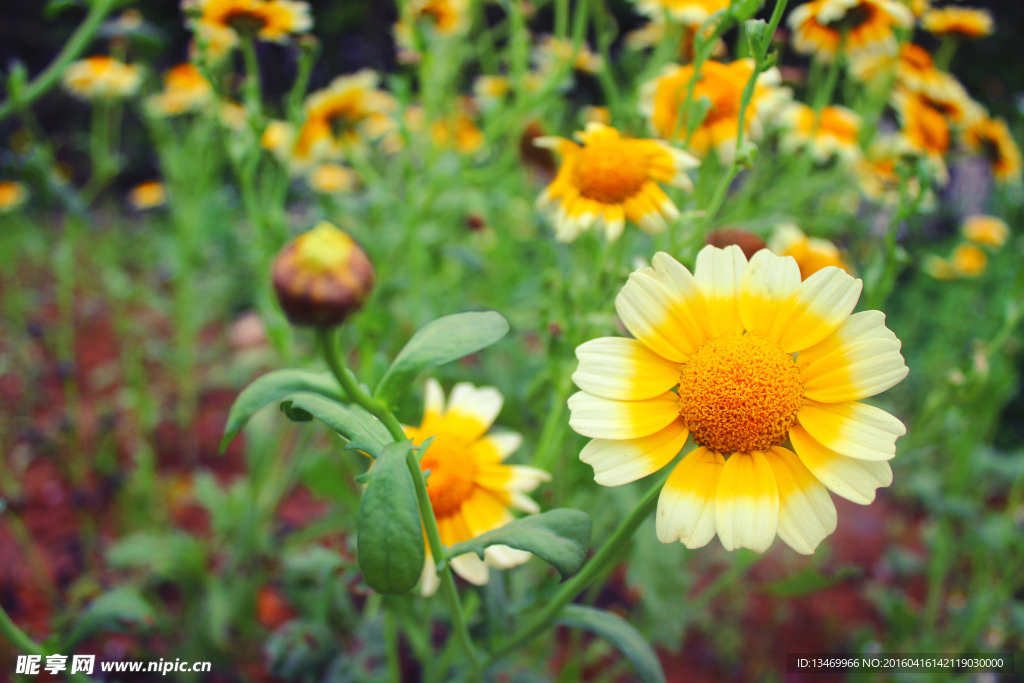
(855, 17)
(740, 393)
(452, 474)
(245, 21)
(610, 171)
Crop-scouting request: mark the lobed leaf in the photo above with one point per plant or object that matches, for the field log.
(619, 633)
(559, 537)
(363, 431)
(272, 387)
(436, 343)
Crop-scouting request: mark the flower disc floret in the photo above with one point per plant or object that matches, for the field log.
(452, 474)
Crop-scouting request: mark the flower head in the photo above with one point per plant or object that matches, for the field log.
(12, 195)
(745, 358)
(959, 22)
(321, 277)
(968, 260)
(102, 77)
(833, 132)
(332, 179)
(445, 17)
(222, 22)
(722, 84)
(687, 12)
(924, 130)
(987, 230)
(489, 91)
(862, 26)
(147, 195)
(471, 489)
(991, 138)
(185, 90)
(810, 253)
(609, 179)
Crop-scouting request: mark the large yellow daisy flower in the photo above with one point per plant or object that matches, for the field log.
(742, 357)
(722, 84)
(609, 179)
(102, 77)
(819, 26)
(471, 490)
(958, 22)
(833, 132)
(221, 21)
(688, 12)
(991, 138)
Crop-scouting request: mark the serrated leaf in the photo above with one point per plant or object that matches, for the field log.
(390, 545)
(363, 431)
(810, 580)
(559, 537)
(436, 343)
(270, 388)
(619, 633)
(122, 609)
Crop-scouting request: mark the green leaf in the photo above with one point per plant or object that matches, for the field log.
(122, 609)
(362, 430)
(810, 580)
(271, 387)
(619, 633)
(439, 342)
(169, 555)
(559, 537)
(390, 543)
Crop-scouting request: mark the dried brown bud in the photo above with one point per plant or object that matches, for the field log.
(321, 277)
(748, 243)
(475, 222)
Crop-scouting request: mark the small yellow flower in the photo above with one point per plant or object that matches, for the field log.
(868, 25)
(835, 132)
(712, 358)
(968, 260)
(810, 253)
(878, 176)
(987, 230)
(234, 115)
(722, 84)
(147, 195)
(471, 490)
(12, 195)
(222, 21)
(446, 17)
(609, 179)
(958, 22)
(913, 66)
(489, 91)
(687, 12)
(102, 77)
(992, 139)
(332, 179)
(924, 131)
(185, 90)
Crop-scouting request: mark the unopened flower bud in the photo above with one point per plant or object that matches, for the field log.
(748, 242)
(321, 277)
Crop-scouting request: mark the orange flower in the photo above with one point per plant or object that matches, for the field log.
(968, 260)
(12, 195)
(958, 22)
(221, 21)
(925, 130)
(991, 138)
(868, 25)
(835, 133)
(185, 90)
(810, 253)
(446, 17)
(147, 195)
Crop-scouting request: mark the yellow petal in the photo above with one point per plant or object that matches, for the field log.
(655, 317)
(855, 430)
(747, 503)
(817, 308)
(806, 512)
(857, 371)
(602, 418)
(686, 506)
(850, 478)
(768, 282)
(718, 274)
(623, 369)
(620, 462)
(858, 327)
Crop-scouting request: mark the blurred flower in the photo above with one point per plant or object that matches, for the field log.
(489, 91)
(222, 22)
(234, 115)
(810, 253)
(185, 90)
(688, 12)
(600, 115)
(988, 230)
(868, 25)
(332, 179)
(550, 53)
(877, 172)
(924, 130)
(958, 22)
(938, 267)
(834, 132)
(102, 77)
(457, 130)
(748, 242)
(918, 7)
(321, 277)
(471, 490)
(609, 179)
(968, 260)
(445, 17)
(653, 34)
(147, 195)
(712, 358)
(992, 139)
(913, 67)
(538, 159)
(722, 84)
(12, 195)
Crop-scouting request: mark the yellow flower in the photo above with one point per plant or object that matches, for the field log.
(102, 77)
(878, 176)
(233, 115)
(489, 91)
(988, 230)
(12, 195)
(818, 26)
(446, 17)
(810, 253)
(185, 90)
(332, 179)
(958, 22)
(713, 358)
(918, 7)
(591, 114)
(924, 130)
(991, 138)
(221, 21)
(471, 490)
(938, 267)
(913, 66)
(688, 12)
(835, 133)
(722, 84)
(147, 195)
(610, 179)
(968, 260)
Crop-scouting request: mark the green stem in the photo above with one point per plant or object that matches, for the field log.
(592, 570)
(391, 643)
(16, 637)
(72, 49)
(253, 87)
(944, 55)
(327, 339)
